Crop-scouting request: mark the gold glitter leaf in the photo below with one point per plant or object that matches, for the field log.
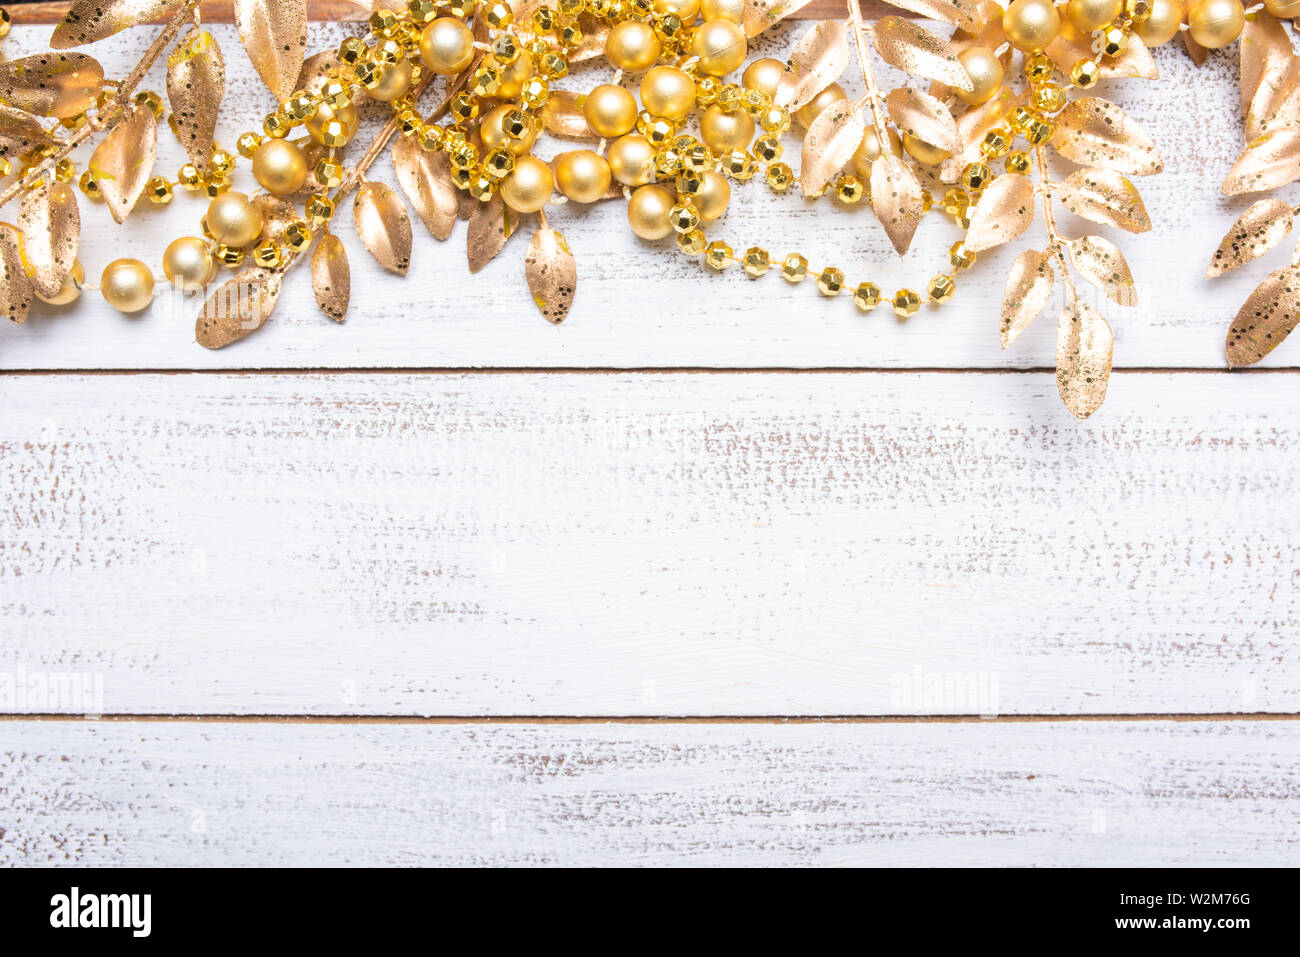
(491, 225)
(829, 143)
(592, 45)
(331, 277)
(51, 84)
(15, 286)
(1029, 286)
(20, 132)
(1100, 262)
(1003, 212)
(316, 69)
(1265, 319)
(1255, 232)
(1136, 61)
(383, 226)
(89, 20)
(971, 127)
(551, 273)
(1266, 57)
(51, 226)
(425, 177)
(238, 307)
(896, 198)
(123, 160)
(274, 33)
(1197, 52)
(196, 84)
(758, 15)
(1095, 132)
(903, 44)
(816, 62)
(924, 117)
(1106, 197)
(1267, 163)
(1277, 102)
(960, 13)
(1084, 345)
(277, 215)
(562, 116)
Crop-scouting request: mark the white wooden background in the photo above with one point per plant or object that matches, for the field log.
(717, 572)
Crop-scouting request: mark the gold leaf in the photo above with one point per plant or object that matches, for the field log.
(551, 273)
(331, 278)
(592, 45)
(758, 15)
(924, 117)
(238, 307)
(490, 226)
(1277, 103)
(913, 49)
(1267, 163)
(1003, 212)
(1136, 61)
(124, 159)
(961, 14)
(1100, 262)
(1197, 52)
(816, 62)
(896, 198)
(1095, 132)
(971, 127)
(196, 84)
(383, 226)
(277, 215)
(20, 132)
(1265, 319)
(1029, 286)
(425, 177)
(15, 286)
(274, 33)
(51, 84)
(1266, 56)
(1106, 197)
(89, 20)
(316, 69)
(562, 116)
(829, 143)
(51, 226)
(1255, 232)
(1084, 344)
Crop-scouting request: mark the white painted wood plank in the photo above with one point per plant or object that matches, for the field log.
(1058, 794)
(640, 305)
(650, 544)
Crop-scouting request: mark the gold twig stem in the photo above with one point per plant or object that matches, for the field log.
(864, 63)
(1054, 241)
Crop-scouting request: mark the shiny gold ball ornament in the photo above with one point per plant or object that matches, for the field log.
(1031, 24)
(869, 150)
(1165, 20)
(610, 110)
(127, 285)
(805, 115)
(723, 132)
(1089, 15)
(70, 291)
(390, 81)
(333, 126)
(648, 212)
(733, 10)
(765, 74)
(687, 10)
(529, 185)
(632, 46)
(582, 175)
(713, 196)
(1215, 23)
(447, 46)
(1283, 9)
(720, 45)
(668, 92)
(232, 220)
(631, 160)
(985, 72)
(280, 166)
(188, 263)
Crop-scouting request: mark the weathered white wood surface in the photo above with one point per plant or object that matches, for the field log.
(652, 544)
(645, 305)
(1086, 793)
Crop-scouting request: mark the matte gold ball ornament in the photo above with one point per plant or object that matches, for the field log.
(1164, 23)
(648, 212)
(723, 132)
(985, 72)
(610, 110)
(333, 126)
(127, 285)
(765, 74)
(668, 92)
(632, 46)
(447, 46)
(834, 93)
(1030, 25)
(582, 175)
(1215, 23)
(631, 160)
(232, 220)
(280, 166)
(529, 186)
(189, 264)
(721, 46)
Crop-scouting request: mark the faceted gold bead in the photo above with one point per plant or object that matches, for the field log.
(1017, 162)
(718, 256)
(299, 107)
(1048, 98)
(353, 50)
(1139, 10)
(1039, 132)
(498, 163)
(775, 119)
(780, 177)
(422, 11)
(482, 186)
(247, 144)
(906, 303)
(498, 15)
(794, 267)
(768, 149)
(996, 143)
(756, 262)
(430, 138)
(684, 217)
(698, 159)
(692, 242)
(87, 183)
(189, 176)
(960, 256)
(866, 296)
(335, 94)
(216, 184)
(850, 189)
(463, 106)
(298, 236)
(976, 176)
(328, 173)
(319, 210)
(738, 164)
(1085, 74)
(268, 254)
(554, 65)
(231, 256)
(153, 101)
(941, 288)
(277, 124)
(159, 191)
(462, 8)
(65, 170)
(955, 200)
(830, 281)
(383, 22)
(1114, 42)
(1039, 67)
(707, 89)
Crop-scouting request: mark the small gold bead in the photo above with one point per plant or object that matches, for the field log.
(1138, 11)
(232, 257)
(976, 176)
(383, 23)
(1017, 162)
(422, 11)
(277, 124)
(780, 177)
(268, 254)
(683, 217)
(319, 210)
(906, 303)
(482, 186)
(353, 50)
(738, 164)
(794, 267)
(65, 170)
(298, 236)
(718, 256)
(941, 288)
(830, 281)
(996, 143)
(498, 163)
(1039, 67)
(866, 296)
(189, 176)
(1048, 98)
(768, 148)
(692, 242)
(299, 107)
(74, 122)
(1085, 74)
(498, 15)
(153, 101)
(87, 183)
(850, 189)
(756, 262)
(430, 138)
(328, 173)
(159, 191)
(247, 144)
(960, 256)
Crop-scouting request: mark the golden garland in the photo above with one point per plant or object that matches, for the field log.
(979, 138)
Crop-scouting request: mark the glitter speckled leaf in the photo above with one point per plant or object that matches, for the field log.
(960, 13)
(817, 61)
(316, 69)
(196, 84)
(20, 132)
(1095, 132)
(971, 127)
(331, 277)
(1003, 212)
(829, 143)
(51, 84)
(924, 117)
(562, 116)
(1100, 262)
(1267, 57)
(237, 308)
(274, 33)
(913, 49)
(1106, 197)
(1265, 319)
(1084, 345)
(1276, 103)
(1136, 60)
(277, 215)
(592, 45)
(89, 20)
(51, 226)
(552, 274)
(1267, 163)
(123, 160)
(896, 198)
(383, 226)
(761, 14)
(491, 225)
(425, 177)
(15, 286)
(1029, 286)
(1258, 230)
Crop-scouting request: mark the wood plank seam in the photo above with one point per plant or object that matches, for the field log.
(514, 719)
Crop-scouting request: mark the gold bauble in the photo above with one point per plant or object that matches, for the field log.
(1166, 17)
(985, 72)
(647, 212)
(1031, 24)
(280, 166)
(733, 10)
(70, 291)
(631, 159)
(529, 185)
(721, 46)
(765, 74)
(346, 115)
(868, 150)
(188, 263)
(686, 9)
(127, 285)
(712, 197)
(447, 46)
(393, 80)
(723, 132)
(232, 220)
(1089, 15)
(610, 110)
(1283, 9)
(582, 175)
(493, 135)
(811, 110)
(923, 152)
(514, 76)
(1215, 23)
(668, 92)
(632, 45)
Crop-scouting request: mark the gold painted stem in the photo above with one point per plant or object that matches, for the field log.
(868, 75)
(1054, 241)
